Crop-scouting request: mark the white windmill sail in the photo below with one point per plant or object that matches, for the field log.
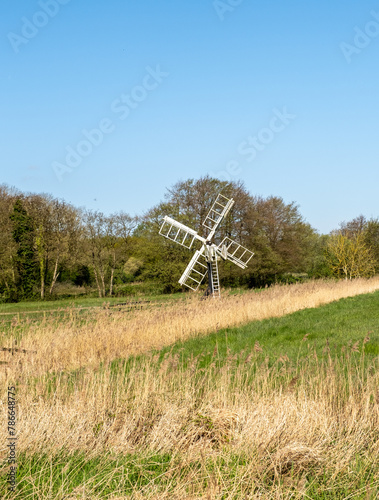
(196, 271)
(178, 232)
(218, 211)
(233, 251)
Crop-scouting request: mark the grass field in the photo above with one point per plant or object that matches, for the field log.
(78, 303)
(271, 395)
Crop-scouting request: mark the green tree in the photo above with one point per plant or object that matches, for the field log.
(371, 236)
(350, 257)
(318, 266)
(7, 246)
(25, 259)
(282, 241)
(363, 233)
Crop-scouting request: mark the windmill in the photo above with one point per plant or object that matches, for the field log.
(204, 261)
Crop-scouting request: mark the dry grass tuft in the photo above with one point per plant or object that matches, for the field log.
(296, 458)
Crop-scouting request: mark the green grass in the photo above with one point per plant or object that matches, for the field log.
(56, 476)
(61, 475)
(329, 329)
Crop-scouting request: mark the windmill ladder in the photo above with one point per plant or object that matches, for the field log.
(215, 278)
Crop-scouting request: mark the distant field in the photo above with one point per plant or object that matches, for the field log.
(85, 302)
(16, 318)
(283, 407)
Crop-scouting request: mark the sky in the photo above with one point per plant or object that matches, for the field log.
(108, 104)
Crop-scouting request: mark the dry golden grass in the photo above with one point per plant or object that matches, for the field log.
(289, 431)
(291, 420)
(107, 335)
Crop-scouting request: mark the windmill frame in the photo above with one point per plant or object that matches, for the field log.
(205, 261)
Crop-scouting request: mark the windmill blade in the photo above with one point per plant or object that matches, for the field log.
(195, 272)
(219, 210)
(178, 232)
(234, 252)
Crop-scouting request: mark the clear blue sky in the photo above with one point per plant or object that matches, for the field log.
(202, 83)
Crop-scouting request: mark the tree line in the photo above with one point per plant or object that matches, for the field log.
(48, 246)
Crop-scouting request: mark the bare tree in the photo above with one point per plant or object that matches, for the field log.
(66, 228)
(57, 228)
(94, 233)
(120, 227)
(353, 227)
(107, 239)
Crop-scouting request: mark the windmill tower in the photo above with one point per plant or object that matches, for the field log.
(204, 261)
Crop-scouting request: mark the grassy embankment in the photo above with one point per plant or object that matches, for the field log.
(285, 407)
